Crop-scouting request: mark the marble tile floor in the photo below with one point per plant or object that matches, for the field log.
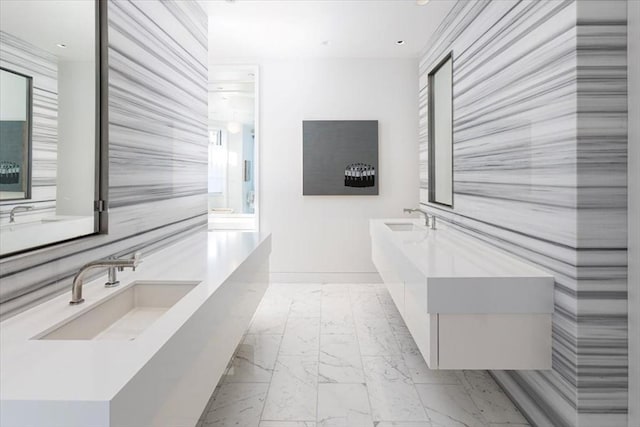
(319, 355)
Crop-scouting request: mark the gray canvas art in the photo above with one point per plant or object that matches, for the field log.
(340, 157)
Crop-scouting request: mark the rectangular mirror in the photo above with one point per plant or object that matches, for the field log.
(49, 122)
(441, 132)
(15, 135)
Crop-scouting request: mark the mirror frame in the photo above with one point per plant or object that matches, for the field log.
(431, 142)
(27, 182)
(101, 198)
(101, 174)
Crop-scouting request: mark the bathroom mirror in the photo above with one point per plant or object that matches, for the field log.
(50, 127)
(233, 147)
(15, 135)
(441, 132)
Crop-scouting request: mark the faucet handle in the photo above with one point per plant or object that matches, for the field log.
(432, 222)
(136, 259)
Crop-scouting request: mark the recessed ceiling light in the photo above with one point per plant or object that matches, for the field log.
(400, 42)
(61, 45)
(422, 2)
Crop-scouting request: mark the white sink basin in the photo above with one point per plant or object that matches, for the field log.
(122, 316)
(403, 226)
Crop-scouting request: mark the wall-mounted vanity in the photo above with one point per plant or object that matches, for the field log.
(466, 304)
(146, 353)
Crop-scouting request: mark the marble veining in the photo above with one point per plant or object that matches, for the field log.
(392, 392)
(255, 359)
(22, 57)
(539, 114)
(340, 386)
(301, 336)
(293, 390)
(343, 405)
(237, 404)
(449, 405)
(340, 359)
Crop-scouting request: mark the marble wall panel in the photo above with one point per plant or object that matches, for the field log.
(540, 171)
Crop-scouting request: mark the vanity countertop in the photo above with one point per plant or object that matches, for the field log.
(464, 274)
(90, 371)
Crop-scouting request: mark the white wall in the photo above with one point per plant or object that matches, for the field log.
(76, 150)
(13, 102)
(329, 234)
(633, 63)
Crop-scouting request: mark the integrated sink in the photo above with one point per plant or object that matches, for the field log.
(403, 226)
(124, 315)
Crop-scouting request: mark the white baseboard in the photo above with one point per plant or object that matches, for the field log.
(279, 277)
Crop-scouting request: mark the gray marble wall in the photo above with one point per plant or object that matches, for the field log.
(157, 146)
(540, 140)
(633, 181)
(25, 58)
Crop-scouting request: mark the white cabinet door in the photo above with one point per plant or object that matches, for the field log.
(422, 325)
(495, 341)
(383, 261)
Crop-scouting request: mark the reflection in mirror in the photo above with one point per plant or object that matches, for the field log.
(49, 91)
(232, 148)
(15, 135)
(441, 133)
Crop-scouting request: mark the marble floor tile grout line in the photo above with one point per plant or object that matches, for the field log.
(386, 357)
(274, 367)
(355, 334)
(319, 344)
(402, 357)
(393, 332)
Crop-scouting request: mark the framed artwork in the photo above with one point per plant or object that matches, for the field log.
(340, 158)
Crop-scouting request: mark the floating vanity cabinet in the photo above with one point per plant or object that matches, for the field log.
(466, 304)
(147, 353)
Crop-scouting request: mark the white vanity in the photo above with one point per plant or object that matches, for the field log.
(466, 304)
(146, 353)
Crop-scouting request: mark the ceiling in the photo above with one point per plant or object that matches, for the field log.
(255, 29)
(45, 23)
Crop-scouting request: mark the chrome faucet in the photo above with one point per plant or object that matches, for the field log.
(12, 214)
(111, 264)
(429, 220)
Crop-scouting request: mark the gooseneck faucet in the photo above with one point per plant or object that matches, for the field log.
(428, 219)
(420, 211)
(12, 214)
(111, 264)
